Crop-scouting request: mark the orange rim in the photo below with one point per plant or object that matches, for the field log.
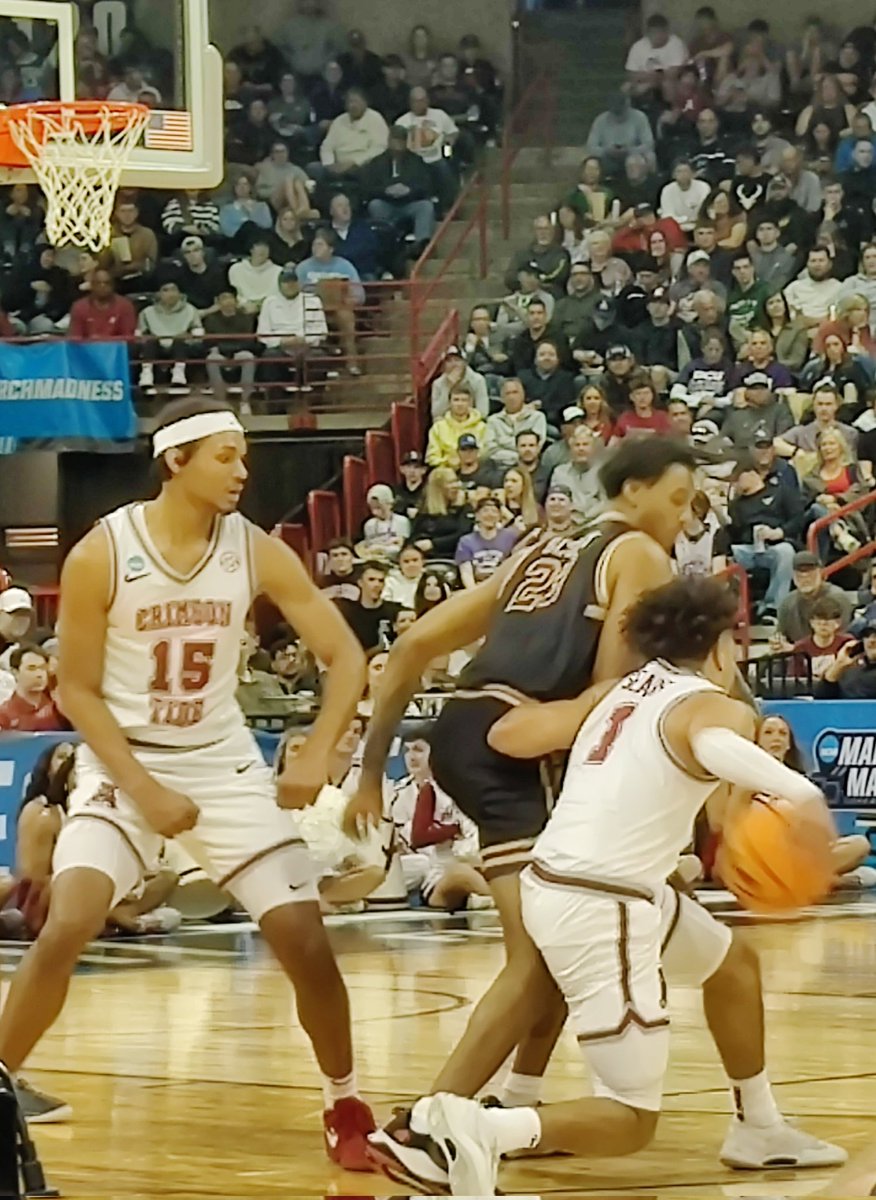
(89, 114)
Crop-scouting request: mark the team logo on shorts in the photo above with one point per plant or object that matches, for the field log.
(229, 562)
(106, 795)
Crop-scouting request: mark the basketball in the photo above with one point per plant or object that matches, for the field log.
(775, 858)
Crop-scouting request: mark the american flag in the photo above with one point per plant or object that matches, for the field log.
(169, 131)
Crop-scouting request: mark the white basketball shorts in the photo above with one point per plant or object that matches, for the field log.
(243, 842)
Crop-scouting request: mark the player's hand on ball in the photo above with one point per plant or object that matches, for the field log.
(302, 779)
(169, 812)
(363, 810)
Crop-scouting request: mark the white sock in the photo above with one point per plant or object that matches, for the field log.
(514, 1128)
(753, 1100)
(338, 1089)
(519, 1091)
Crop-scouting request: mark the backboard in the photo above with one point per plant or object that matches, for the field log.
(155, 51)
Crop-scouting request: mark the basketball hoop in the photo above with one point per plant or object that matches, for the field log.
(77, 150)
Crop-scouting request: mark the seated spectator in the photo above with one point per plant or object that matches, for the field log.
(354, 138)
(758, 354)
(280, 183)
(30, 709)
(455, 370)
(432, 590)
(516, 416)
(451, 91)
(814, 292)
(826, 637)
(810, 587)
(391, 96)
(773, 263)
(244, 216)
(327, 96)
(705, 238)
(511, 316)
(698, 279)
(712, 154)
(45, 294)
(591, 198)
(484, 348)
(200, 281)
(134, 89)
(529, 448)
(255, 689)
(547, 384)
(292, 325)
(362, 67)
(422, 57)
(233, 349)
(576, 307)
(864, 283)
(385, 531)
(370, 617)
(519, 506)
(410, 492)
(610, 272)
(643, 419)
(255, 278)
(356, 240)
(171, 328)
(236, 95)
(852, 323)
(708, 377)
(638, 184)
(442, 520)
(756, 411)
(750, 81)
(769, 146)
(294, 666)
(523, 349)
(431, 134)
(402, 581)
(747, 297)
(865, 606)
(573, 237)
(250, 138)
(655, 59)
(619, 131)
(657, 340)
(846, 372)
(480, 553)
(133, 251)
(683, 198)
(632, 303)
(847, 205)
(749, 185)
(20, 222)
(101, 315)
(597, 414)
(635, 237)
(442, 449)
(341, 581)
(852, 675)
(336, 282)
(290, 116)
(287, 244)
(836, 480)
(764, 523)
(794, 223)
(480, 79)
(559, 452)
(191, 214)
(547, 256)
(260, 61)
(620, 370)
(828, 104)
(804, 185)
(790, 334)
(581, 475)
(687, 99)
(773, 470)
(825, 406)
(558, 511)
(477, 475)
(398, 187)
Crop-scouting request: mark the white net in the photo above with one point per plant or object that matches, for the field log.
(78, 163)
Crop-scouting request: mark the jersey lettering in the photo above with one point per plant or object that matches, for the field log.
(546, 574)
(194, 660)
(613, 726)
(183, 614)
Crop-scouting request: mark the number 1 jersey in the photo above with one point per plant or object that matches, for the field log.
(627, 806)
(173, 641)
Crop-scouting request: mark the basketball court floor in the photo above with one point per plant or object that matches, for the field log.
(190, 1076)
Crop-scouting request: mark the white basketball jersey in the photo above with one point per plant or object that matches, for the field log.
(173, 641)
(627, 807)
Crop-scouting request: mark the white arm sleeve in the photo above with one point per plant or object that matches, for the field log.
(728, 756)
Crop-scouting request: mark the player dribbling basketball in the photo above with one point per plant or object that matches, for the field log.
(153, 605)
(646, 753)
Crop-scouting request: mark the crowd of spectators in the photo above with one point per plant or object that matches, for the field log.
(339, 162)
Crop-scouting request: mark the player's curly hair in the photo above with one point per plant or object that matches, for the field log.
(682, 620)
(645, 460)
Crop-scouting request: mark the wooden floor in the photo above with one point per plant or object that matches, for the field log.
(190, 1076)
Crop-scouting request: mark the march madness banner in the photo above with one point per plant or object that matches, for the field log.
(74, 393)
(838, 741)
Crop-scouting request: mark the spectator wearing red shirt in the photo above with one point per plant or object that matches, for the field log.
(102, 315)
(635, 238)
(30, 708)
(644, 418)
(826, 638)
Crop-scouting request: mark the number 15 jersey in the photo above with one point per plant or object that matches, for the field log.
(173, 641)
(627, 807)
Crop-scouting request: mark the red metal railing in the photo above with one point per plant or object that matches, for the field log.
(742, 628)
(380, 457)
(532, 123)
(848, 560)
(354, 486)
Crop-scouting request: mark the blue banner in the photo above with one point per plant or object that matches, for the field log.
(838, 741)
(58, 391)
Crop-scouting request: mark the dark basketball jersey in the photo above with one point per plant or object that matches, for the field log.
(545, 634)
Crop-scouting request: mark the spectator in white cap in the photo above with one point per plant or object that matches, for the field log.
(558, 452)
(16, 616)
(756, 410)
(384, 532)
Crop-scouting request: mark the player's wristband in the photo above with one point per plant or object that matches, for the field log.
(728, 756)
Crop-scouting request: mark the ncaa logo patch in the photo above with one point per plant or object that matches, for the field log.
(135, 563)
(229, 561)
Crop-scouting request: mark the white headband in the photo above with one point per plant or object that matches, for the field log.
(192, 429)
